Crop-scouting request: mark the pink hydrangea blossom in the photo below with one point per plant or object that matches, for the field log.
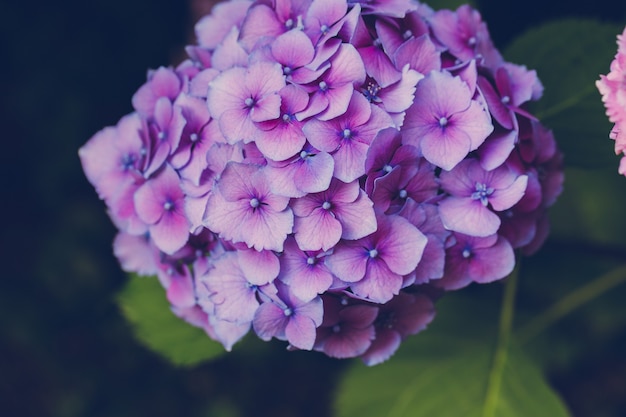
(612, 87)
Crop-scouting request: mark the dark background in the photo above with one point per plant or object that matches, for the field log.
(67, 69)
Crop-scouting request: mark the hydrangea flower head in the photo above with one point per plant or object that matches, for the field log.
(612, 87)
(316, 167)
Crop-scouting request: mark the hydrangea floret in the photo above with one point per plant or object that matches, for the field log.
(612, 87)
(320, 171)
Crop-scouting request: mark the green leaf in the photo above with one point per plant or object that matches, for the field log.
(144, 304)
(445, 372)
(591, 208)
(569, 56)
(447, 4)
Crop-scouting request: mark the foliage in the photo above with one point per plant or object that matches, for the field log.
(446, 371)
(144, 305)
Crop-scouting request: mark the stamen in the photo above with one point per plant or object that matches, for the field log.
(373, 253)
(505, 100)
(326, 205)
(403, 194)
(168, 205)
(406, 35)
(336, 328)
(481, 193)
(304, 154)
(387, 168)
(161, 135)
(371, 92)
(324, 29)
(347, 133)
(249, 102)
(254, 202)
(286, 118)
(287, 312)
(466, 253)
(471, 41)
(323, 86)
(287, 70)
(289, 23)
(310, 260)
(193, 137)
(443, 121)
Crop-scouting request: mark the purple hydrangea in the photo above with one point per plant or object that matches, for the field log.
(317, 169)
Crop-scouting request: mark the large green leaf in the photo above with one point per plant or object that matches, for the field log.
(591, 208)
(445, 372)
(144, 304)
(569, 56)
(447, 4)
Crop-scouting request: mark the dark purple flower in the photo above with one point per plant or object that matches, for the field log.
(404, 315)
(476, 259)
(347, 331)
(474, 195)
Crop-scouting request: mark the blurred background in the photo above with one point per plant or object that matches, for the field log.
(67, 69)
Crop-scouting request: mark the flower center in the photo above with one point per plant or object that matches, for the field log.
(466, 253)
(336, 328)
(286, 118)
(249, 102)
(324, 29)
(287, 70)
(505, 100)
(406, 35)
(346, 134)
(482, 192)
(472, 41)
(310, 260)
(371, 92)
(161, 135)
(326, 205)
(168, 205)
(387, 168)
(128, 161)
(193, 137)
(373, 253)
(443, 121)
(254, 202)
(287, 312)
(403, 193)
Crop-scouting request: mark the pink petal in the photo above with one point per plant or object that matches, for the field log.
(402, 245)
(467, 216)
(259, 268)
(379, 284)
(171, 232)
(348, 261)
(319, 230)
(300, 332)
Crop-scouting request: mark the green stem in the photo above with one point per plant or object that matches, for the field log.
(566, 104)
(502, 347)
(571, 302)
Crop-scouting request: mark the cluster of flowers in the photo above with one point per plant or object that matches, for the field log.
(613, 89)
(321, 170)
